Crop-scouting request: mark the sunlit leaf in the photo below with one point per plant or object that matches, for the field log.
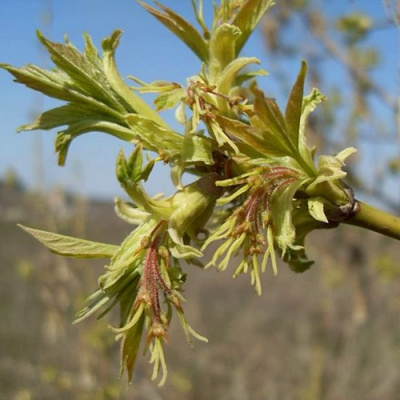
(310, 102)
(150, 132)
(170, 99)
(181, 28)
(86, 73)
(72, 247)
(196, 149)
(262, 141)
(129, 212)
(130, 347)
(294, 106)
(281, 214)
(130, 99)
(222, 50)
(316, 209)
(248, 17)
(330, 168)
(79, 119)
(271, 120)
(230, 72)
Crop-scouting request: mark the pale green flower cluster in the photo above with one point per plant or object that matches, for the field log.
(256, 187)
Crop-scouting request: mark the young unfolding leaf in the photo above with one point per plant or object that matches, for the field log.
(256, 137)
(132, 170)
(222, 50)
(130, 173)
(287, 131)
(197, 149)
(80, 119)
(181, 28)
(131, 100)
(70, 246)
(330, 169)
(149, 132)
(310, 103)
(294, 107)
(84, 69)
(130, 348)
(128, 212)
(98, 99)
(248, 17)
(270, 120)
(227, 77)
(170, 99)
(281, 207)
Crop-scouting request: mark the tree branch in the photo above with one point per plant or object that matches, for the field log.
(371, 218)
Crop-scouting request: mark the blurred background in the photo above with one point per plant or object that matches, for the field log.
(331, 333)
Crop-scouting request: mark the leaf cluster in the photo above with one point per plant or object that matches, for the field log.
(258, 187)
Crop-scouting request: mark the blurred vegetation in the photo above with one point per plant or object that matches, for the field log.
(330, 334)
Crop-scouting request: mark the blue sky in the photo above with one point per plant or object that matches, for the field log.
(146, 51)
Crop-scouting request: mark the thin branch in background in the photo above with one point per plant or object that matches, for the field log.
(354, 69)
(392, 8)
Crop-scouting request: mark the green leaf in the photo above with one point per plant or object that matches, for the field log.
(197, 149)
(57, 84)
(134, 165)
(247, 75)
(281, 214)
(97, 300)
(80, 119)
(51, 83)
(129, 176)
(130, 347)
(304, 223)
(347, 152)
(98, 98)
(157, 86)
(310, 102)
(222, 50)
(228, 76)
(126, 170)
(70, 246)
(64, 138)
(269, 118)
(181, 28)
(316, 209)
(330, 168)
(129, 212)
(131, 99)
(248, 17)
(297, 111)
(84, 69)
(298, 261)
(134, 171)
(126, 255)
(169, 99)
(69, 114)
(262, 141)
(294, 106)
(150, 133)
